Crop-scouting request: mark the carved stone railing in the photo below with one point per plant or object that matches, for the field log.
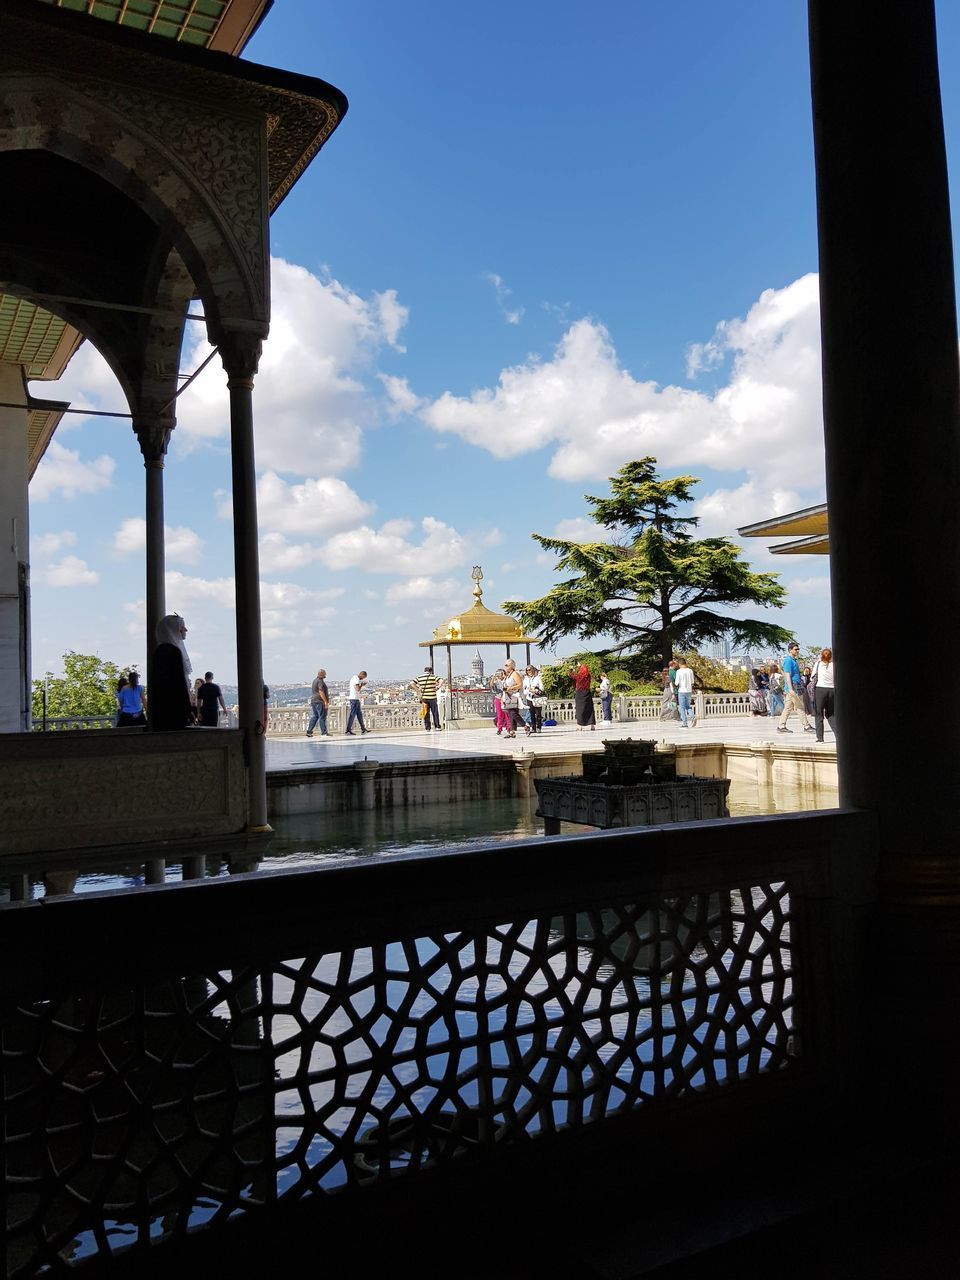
(60, 723)
(180, 1057)
(292, 721)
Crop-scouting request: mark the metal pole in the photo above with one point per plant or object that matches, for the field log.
(528, 655)
(453, 705)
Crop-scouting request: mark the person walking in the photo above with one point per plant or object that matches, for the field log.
(583, 698)
(319, 705)
(357, 684)
(685, 694)
(606, 699)
(499, 715)
(534, 697)
(775, 691)
(208, 696)
(793, 692)
(426, 687)
(823, 692)
(510, 698)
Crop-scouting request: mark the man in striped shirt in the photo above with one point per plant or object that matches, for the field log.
(426, 686)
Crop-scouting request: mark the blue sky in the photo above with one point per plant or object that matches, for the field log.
(541, 244)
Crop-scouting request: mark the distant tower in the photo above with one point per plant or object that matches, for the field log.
(476, 668)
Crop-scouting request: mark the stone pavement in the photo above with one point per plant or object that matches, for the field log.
(415, 744)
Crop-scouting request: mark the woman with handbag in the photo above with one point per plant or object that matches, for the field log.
(823, 692)
(535, 698)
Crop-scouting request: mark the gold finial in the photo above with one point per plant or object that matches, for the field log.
(476, 573)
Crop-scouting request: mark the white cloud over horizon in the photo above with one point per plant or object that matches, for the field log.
(182, 545)
(766, 419)
(61, 471)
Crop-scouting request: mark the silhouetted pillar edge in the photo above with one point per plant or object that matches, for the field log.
(240, 353)
(891, 397)
(153, 437)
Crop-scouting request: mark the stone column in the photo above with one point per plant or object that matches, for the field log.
(14, 557)
(892, 423)
(240, 353)
(154, 437)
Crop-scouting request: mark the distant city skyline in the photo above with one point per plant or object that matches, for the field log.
(487, 296)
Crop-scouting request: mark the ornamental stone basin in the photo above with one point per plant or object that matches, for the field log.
(630, 785)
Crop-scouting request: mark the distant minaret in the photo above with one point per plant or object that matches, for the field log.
(476, 667)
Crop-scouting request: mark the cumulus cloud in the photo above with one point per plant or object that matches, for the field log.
(765, 419)
(68, 572)
(815, 586)
(400, 397)
(582, 529)
(62, 473)
(181, 544)
(423, 588)
(389, 550)
(512, 315)
(312, 398)
(48, 544)
(314, 507)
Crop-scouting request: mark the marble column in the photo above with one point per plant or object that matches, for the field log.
(240, 353)
(154, 437)
(14, 556)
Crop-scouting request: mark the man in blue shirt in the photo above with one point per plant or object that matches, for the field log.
(793, 691)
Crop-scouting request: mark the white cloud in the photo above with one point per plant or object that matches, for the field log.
(388, 550)
(313, 507)
(765, 419)
(816, 586)
(48, 544)
(68, 572)
(401, 398)
(181, 544)
(311, 398)
(492, 538)
(582, 529)
(723, 511)
(61, 472)
(423, 588)
(512, 315)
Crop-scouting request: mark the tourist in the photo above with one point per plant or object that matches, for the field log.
(210, 702)
(809, 689)
(758, 702)
(606, 699)
(496, 686)
(774, 691)
(685, 679)
(121, 685)
(510, 697)
(668, 696)
(583, 698)
(426, 687)
(793, 692)
(534, 697)
(170, 706)
(319, 705)
(195, 700)
(357, 684)
(823, 692)
(132, 702)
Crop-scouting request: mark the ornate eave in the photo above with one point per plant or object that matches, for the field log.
(812, 523)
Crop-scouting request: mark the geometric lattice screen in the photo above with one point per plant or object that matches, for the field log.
(135, 1112)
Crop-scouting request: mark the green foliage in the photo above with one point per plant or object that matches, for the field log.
(714, 677)
(558, 682)
(87, 688)
(652, 590)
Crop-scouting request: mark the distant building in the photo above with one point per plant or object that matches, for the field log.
(476, 669)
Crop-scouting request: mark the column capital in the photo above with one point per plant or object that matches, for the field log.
(240, 353)
(153, 436)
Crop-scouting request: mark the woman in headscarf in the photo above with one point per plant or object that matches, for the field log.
(583, 697)
(170, 694)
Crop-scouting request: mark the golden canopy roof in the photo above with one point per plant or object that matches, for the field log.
(479, 625)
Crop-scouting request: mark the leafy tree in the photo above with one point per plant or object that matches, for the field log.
(714, 677)
(654, 588)
(87, 688)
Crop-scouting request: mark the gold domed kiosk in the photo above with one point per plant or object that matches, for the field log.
(476, 626)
